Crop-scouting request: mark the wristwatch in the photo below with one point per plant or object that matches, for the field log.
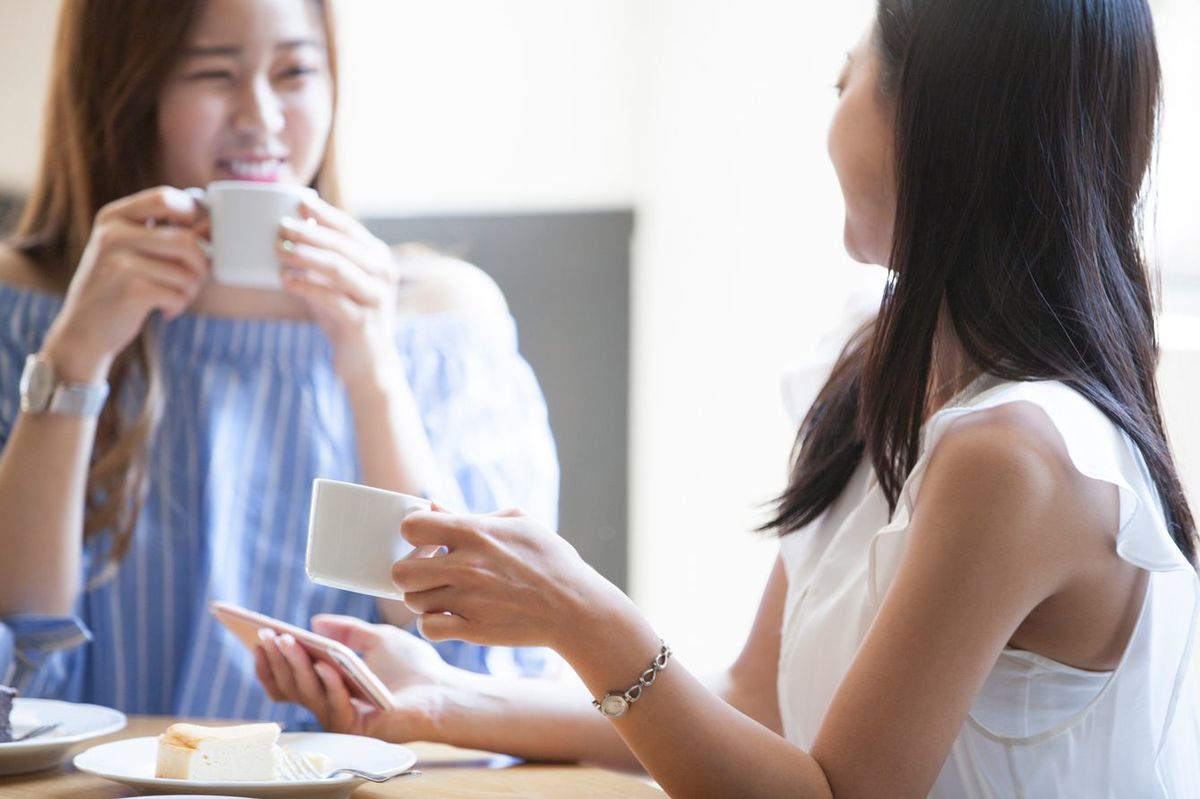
(616, 703)
(42, 392)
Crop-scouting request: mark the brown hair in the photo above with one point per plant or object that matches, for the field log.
(112, 61)
(1024, 134)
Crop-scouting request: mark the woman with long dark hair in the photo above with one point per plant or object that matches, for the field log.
(986, 582)
(122, 516)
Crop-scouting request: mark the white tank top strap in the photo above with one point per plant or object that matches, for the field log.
(1098, 449)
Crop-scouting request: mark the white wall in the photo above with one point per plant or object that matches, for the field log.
(739, 267)
(478, 105)
(1175, 234)
(26, 46)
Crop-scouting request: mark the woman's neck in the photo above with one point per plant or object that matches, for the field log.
(950, 370)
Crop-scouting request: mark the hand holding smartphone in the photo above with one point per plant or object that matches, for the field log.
(362, 682)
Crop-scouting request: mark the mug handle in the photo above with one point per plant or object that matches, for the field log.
(201, 198)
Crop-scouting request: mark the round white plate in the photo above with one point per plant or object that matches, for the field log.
(132, 762)
(79, 723)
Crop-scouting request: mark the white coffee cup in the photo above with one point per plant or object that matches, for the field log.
(354, 536)
(245, 228)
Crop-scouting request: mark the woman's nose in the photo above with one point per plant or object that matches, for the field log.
(259, 109)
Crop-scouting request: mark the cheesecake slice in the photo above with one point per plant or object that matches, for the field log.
(242, 753)
(6, 704)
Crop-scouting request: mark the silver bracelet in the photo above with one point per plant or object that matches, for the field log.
(615, 705)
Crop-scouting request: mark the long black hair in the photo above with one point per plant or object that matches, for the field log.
(1024, 133)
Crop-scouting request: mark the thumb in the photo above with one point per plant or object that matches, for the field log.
(353, 632)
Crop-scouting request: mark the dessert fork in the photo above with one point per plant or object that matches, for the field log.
(36, 731)
(296, 767)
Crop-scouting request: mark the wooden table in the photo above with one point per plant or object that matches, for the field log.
(448, 773)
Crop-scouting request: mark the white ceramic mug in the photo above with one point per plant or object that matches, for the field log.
(354, 536)
(245, 228)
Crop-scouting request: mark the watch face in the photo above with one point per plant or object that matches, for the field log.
(614, 706)
(37, 383)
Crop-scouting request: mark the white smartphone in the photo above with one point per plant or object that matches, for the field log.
(363, 683)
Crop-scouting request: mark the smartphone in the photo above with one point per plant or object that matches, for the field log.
(362, 682)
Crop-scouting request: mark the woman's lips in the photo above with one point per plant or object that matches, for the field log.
(264, 170)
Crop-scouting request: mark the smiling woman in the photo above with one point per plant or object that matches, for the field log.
(168, 429)
(233, 86)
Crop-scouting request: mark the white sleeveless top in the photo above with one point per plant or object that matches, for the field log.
(1038, 728)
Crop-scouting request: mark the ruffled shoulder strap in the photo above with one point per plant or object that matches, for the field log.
(1097, 448)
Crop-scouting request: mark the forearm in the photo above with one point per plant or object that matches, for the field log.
(690, 741)
(535, 719)
(394, 451)
(43, 485)
(43, 477)
(758, 701)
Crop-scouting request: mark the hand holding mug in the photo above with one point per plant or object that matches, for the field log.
(349, 279)
(504, 581)
(143, 255)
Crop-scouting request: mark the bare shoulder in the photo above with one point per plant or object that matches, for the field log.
(1006, 474)
(17, 270)
(1015, 441)
(436, 283)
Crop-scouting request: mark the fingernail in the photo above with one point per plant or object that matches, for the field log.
(287, 640)
(287, 245)
(265, 634)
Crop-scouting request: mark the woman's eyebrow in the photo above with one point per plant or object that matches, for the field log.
(202, 51)
(292, 44)
(212, 50)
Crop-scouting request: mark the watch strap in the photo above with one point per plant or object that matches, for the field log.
(616, 703)
(78, 399)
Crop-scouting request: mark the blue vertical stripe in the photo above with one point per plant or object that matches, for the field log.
(253, 413)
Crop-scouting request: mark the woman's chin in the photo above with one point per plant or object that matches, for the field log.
(867, 244)
(859, 253)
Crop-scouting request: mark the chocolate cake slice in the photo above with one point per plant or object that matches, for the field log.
(6, 701)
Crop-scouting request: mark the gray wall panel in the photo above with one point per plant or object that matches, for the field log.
(566, 277)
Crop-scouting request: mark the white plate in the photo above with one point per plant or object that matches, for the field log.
(132, 762)
(79, 723)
